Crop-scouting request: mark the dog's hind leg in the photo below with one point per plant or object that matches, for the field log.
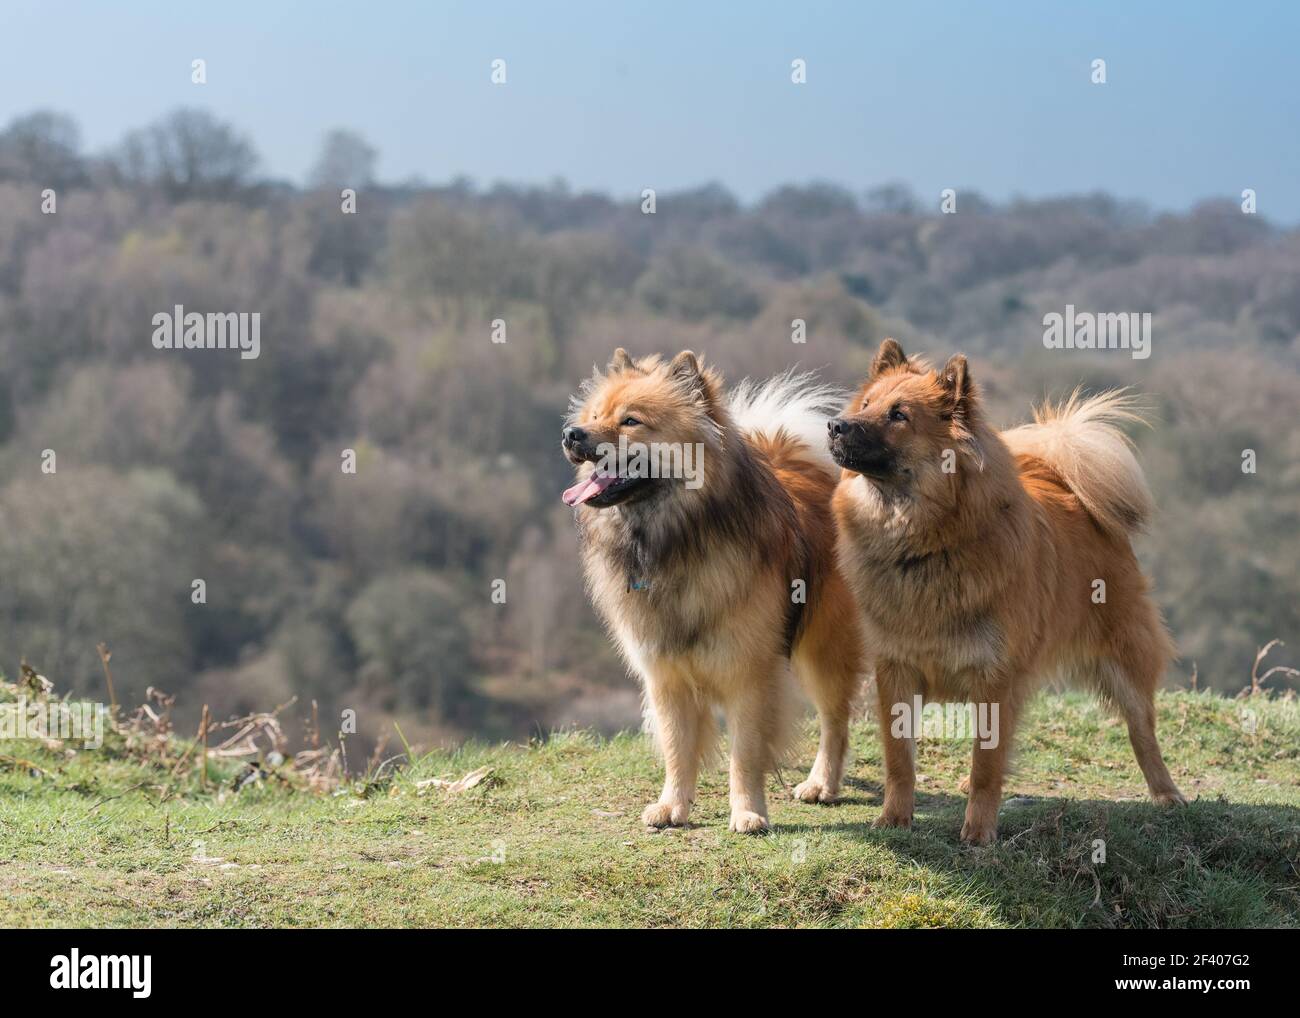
(828, 666)
(1130, 685)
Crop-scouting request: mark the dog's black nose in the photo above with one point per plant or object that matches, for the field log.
(835, 426)
(572, 436)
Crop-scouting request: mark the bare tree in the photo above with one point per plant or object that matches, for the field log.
(188, 154)
(42, 147)
(345, 160)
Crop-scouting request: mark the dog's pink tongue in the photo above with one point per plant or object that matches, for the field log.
(588, 489)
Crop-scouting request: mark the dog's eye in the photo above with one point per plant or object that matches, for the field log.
(897, 415)
(864, 405)
(630, 422)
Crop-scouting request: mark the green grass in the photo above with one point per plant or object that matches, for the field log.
(553, 838)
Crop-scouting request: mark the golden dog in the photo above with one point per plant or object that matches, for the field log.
(983, 562)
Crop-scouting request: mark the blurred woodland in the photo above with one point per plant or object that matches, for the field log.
(372, 591)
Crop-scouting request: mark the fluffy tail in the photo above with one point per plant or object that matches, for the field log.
(788, 413)
(1081, 440)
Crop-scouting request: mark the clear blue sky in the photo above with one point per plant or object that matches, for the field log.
(1203, 99)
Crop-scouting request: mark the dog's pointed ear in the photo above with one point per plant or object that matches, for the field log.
(685, 365)
(704, 383)
(956, 383)
(889, 356)
(685, 368)
(959, 390)
(620, 361)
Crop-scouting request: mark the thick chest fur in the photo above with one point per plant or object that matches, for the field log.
(913, 615)
(940, 612)
(692, 610)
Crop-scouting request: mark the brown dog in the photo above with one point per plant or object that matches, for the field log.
(708, 582)
(984, 562)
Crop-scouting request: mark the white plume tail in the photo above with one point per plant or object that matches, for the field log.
(1082, 441)
(795, 404)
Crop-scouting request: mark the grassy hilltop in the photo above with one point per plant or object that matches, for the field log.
(128, 835)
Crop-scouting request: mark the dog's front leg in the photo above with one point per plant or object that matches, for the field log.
(987, 769)
(898, 686)
(679, 722)
(754, 719)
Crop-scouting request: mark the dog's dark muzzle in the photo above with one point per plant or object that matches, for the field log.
(860, 447)
(579, 445)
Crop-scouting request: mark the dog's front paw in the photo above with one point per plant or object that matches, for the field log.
(813, 790)
(745, 822)
(665, 814)
(1173, 797)
(979, 833)
(893, 818)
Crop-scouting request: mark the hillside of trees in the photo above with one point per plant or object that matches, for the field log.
(373, 590)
